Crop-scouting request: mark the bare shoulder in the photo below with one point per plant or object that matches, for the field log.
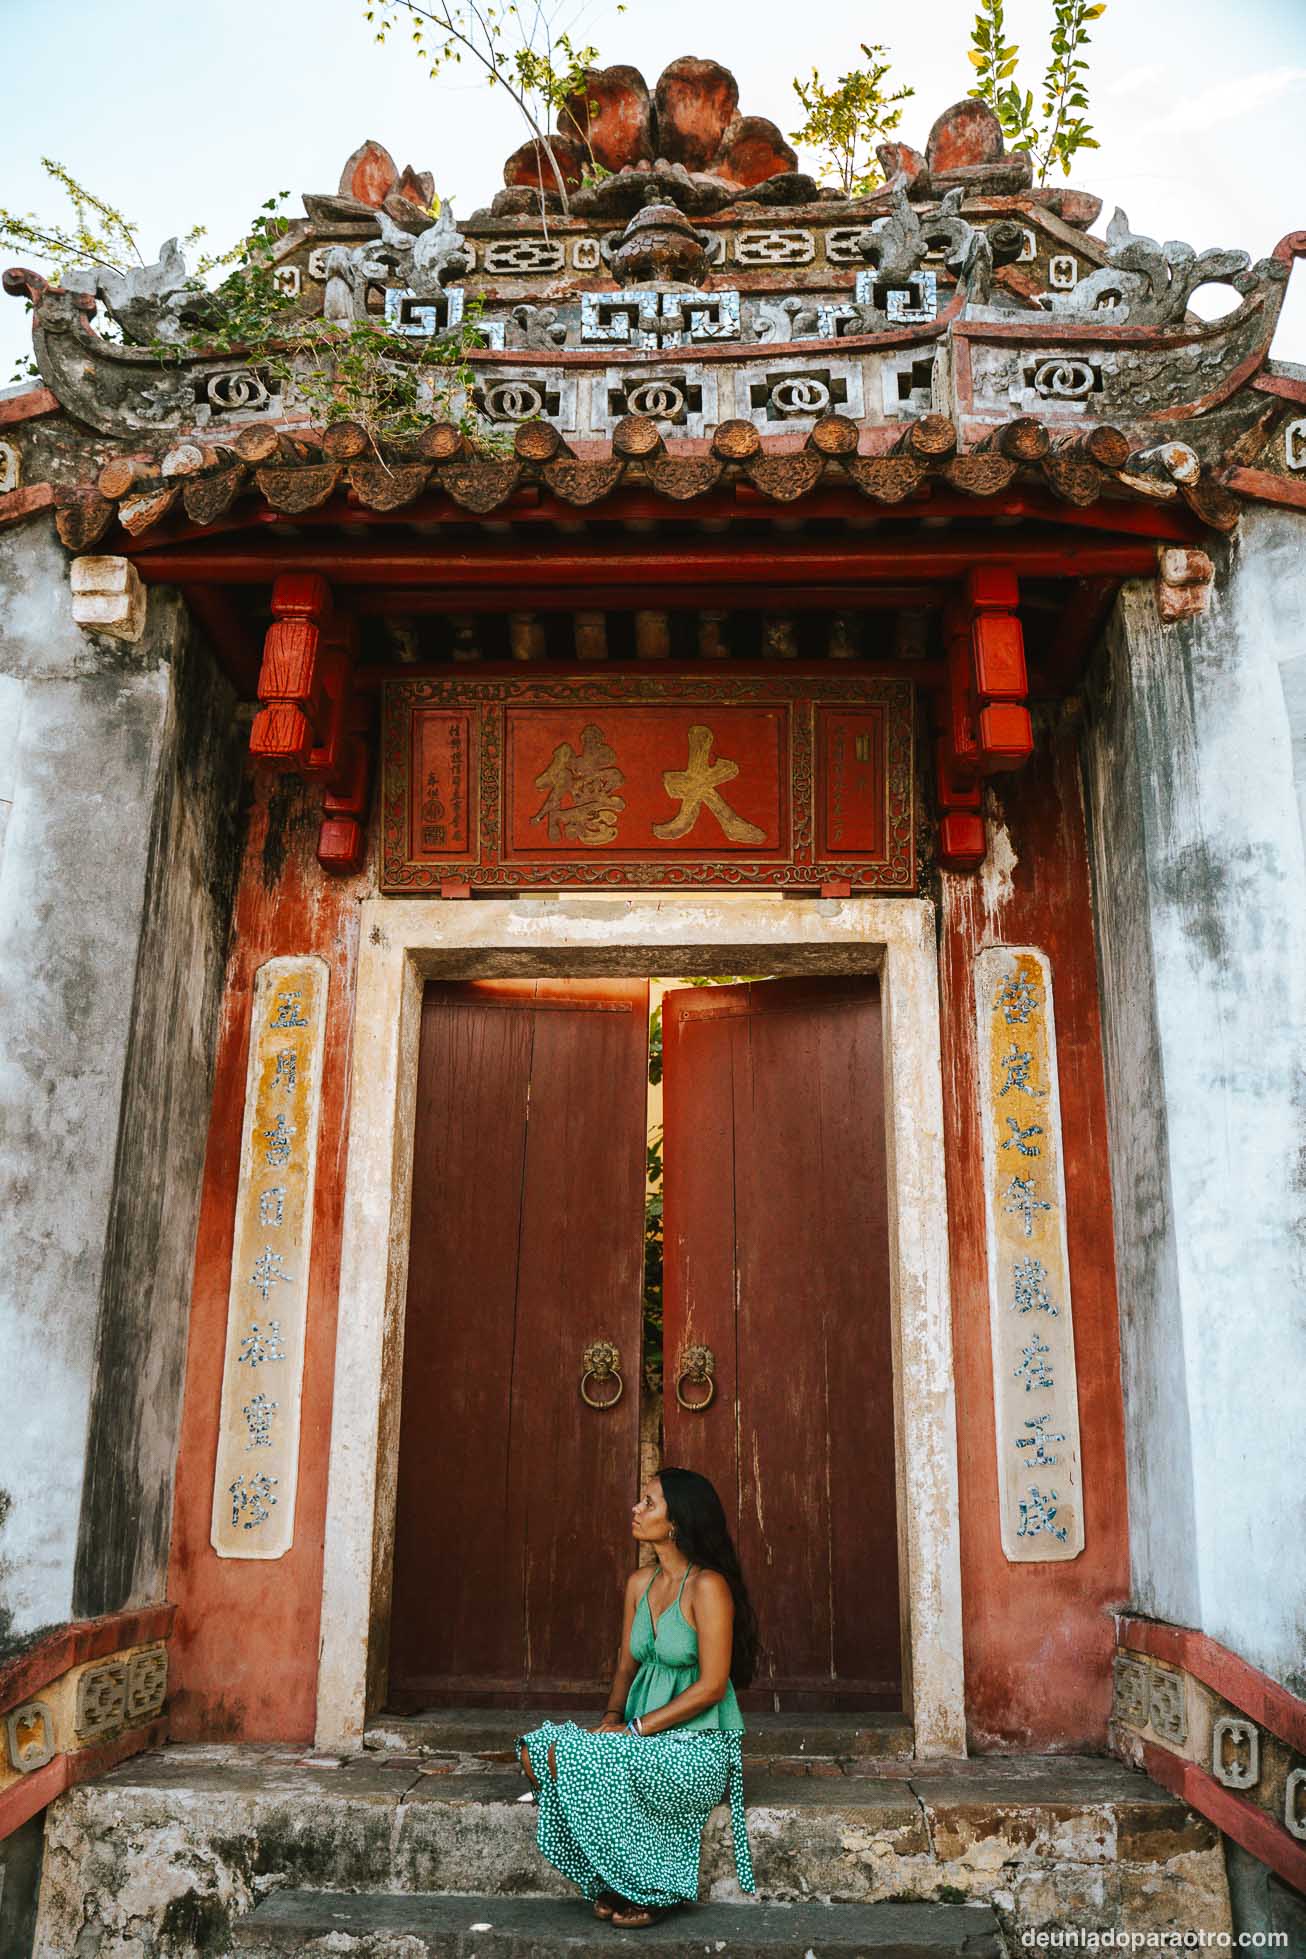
(637, 1580)
(708, 1591)
(711, 1585)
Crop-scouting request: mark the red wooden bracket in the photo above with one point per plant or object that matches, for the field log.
(290, 681)
(310, 719)
(997, 668)
(982, 716)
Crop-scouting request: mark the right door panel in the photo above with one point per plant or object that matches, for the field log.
(776, 1257)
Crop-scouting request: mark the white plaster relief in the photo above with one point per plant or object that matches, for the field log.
(29, 1732)
(1035, 1396)
(258, 1444)
(684, 399)
(1235, 1752)
(1294, 1804)
(405, 941)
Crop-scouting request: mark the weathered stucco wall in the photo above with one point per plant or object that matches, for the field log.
(1038, 1636)
(190, 880)
(106, 901)
(1195, 759)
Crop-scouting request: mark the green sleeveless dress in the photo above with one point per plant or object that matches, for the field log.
(626, 1812)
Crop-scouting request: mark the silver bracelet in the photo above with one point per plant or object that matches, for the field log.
(634, 1728)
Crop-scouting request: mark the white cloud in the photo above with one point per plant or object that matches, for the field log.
(1225, 101)
(1135, 78)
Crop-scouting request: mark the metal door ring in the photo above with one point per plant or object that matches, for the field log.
(698, 1366)
(601, 1361)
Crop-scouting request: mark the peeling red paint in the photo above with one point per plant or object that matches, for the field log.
(243, 1657)
(1038, 1637)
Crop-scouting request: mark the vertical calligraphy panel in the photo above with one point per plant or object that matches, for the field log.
(1035, 1397)
(258, 1438)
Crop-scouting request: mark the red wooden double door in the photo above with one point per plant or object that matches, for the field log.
(515, 1491)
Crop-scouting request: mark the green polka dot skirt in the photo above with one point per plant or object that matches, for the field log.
(626, 1812)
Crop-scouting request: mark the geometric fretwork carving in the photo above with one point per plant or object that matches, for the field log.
(1129, 1691)
(101, 1699)
(1166, 1705)
(147, 1683)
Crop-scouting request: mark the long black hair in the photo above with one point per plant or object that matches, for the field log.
(703, 1535)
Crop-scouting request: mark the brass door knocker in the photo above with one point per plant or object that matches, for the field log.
(601, 1361)
(698, 1367)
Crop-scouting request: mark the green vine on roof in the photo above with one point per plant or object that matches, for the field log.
(1061, 128)
(356, 371)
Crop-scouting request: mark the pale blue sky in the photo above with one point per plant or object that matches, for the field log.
(193, 115)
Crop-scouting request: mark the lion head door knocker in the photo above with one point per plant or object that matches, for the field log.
(697, 1371)
(601, 1364)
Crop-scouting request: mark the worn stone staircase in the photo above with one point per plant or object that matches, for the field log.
(424, 1844)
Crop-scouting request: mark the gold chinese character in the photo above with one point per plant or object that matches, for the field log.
(591, 779)
(696, 788)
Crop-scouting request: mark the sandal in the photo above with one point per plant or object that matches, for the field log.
(635, 1918)
(607, 1903)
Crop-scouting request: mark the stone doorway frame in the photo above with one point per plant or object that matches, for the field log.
(405, 942)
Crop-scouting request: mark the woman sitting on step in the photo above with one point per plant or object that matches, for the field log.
(623, 1805)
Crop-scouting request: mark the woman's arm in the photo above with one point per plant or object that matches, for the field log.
(714, 1621)
(614, 1713)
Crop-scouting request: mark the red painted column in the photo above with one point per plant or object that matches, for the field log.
(243, 1656)
(1038, 1637)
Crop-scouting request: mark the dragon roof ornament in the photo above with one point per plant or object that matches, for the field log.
(704, 280)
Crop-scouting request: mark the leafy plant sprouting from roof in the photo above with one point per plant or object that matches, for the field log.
(95, 234)
(846, 122)
(98, 233)
(343, 371)
(516, 48)
(1061, 127)
(356, 371)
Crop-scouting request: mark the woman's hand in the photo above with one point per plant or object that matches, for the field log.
(611, 1724)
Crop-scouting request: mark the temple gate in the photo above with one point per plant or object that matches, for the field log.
(864, 606)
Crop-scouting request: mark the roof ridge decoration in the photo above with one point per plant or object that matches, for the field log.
(707, 282)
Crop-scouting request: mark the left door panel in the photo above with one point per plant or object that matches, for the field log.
(512, 1526)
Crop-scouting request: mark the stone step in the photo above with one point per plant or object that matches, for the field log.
(341, 1923)
(491, 1730)
(209, 1831)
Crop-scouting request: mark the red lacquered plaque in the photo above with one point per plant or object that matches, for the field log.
(639, 781)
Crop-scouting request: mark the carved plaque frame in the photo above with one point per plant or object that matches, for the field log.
(827, 761)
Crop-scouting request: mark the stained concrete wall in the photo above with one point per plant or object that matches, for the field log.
(1194, 764)
(118, 763)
